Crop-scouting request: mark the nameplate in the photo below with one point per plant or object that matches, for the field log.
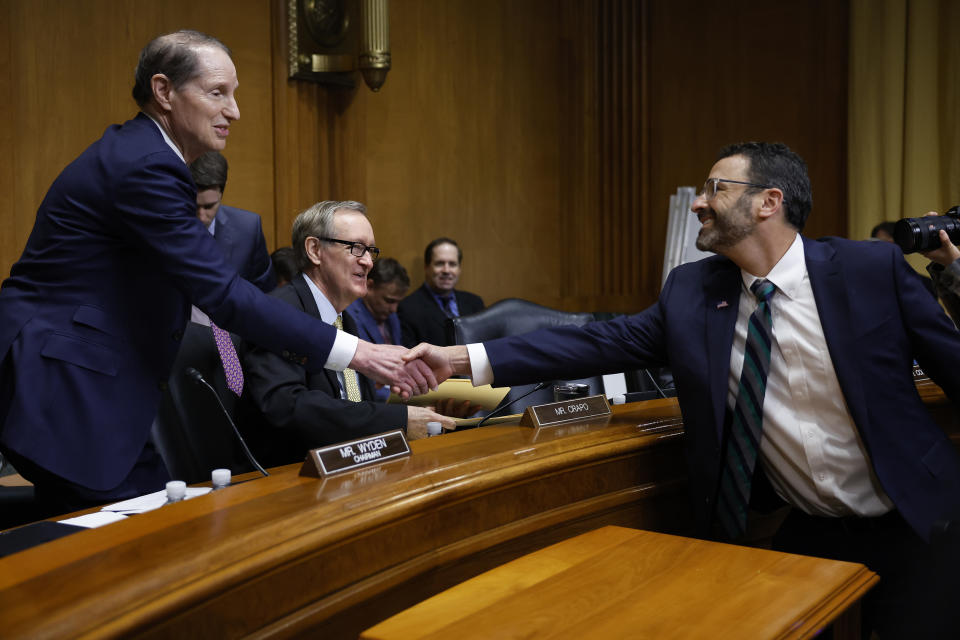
(354, 454)
(575, 410)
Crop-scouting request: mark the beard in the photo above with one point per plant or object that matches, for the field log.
(728, 228)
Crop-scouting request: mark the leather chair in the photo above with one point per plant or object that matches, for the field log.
(513, 316)
(191, 432)
(645, 384)
(17, 504)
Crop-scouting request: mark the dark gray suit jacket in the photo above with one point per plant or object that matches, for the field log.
(422, 319)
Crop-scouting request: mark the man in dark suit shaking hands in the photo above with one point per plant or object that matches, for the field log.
(793, 362)
(92, 313)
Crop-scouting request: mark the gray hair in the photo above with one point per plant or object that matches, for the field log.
(317, 222)
(175, 56)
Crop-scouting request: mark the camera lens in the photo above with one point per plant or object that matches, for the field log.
(923, 234)
(907, 234)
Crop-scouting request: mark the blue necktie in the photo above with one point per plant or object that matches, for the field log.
(746, 425)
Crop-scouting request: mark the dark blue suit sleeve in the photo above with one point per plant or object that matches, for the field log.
(169, 232)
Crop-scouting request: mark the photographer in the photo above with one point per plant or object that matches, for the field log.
(944, 268)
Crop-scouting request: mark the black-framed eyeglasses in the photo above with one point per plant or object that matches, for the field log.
(357, 248)
(709, 190)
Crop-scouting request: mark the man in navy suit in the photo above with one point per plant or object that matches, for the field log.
(238, 232)
(92, 313)
(423, 314)
(846, 441)
(375, 314)
(293, 409)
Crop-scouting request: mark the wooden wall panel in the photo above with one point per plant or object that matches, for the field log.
(463, 141)
(545, 135)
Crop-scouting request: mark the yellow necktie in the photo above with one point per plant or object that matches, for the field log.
(349, 375)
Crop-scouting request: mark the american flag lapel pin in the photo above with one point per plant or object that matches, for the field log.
(722, 304)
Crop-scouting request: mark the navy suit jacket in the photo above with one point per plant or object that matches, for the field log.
(876, 316)
(92, 313)
(239, 233)
(423, 320)
(368, 330)
(294, 410)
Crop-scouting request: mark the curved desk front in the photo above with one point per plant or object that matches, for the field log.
(288, 555)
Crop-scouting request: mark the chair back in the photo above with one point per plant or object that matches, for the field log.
(514, 316)
(191, 432)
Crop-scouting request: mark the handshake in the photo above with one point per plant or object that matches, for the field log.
(410, 372)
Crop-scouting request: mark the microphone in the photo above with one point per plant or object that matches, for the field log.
(197, 378)
(653, 380)
(504, 404)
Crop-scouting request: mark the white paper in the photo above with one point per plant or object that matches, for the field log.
(96, 519)
(151, 501)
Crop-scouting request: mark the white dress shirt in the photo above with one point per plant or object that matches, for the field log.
(344, 345)
(810, 448)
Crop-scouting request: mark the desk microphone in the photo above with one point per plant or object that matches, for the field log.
(197, 378)
(504, 404)
(653, 380)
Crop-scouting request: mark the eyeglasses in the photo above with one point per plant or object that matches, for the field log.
(709, 190)
(357, 248)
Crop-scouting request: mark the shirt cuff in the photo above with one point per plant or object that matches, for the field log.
(342, 351)
(481, 372)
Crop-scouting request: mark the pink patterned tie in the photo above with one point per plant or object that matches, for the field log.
(228, 355)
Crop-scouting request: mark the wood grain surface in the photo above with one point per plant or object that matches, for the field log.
(623, 583)
(287, 555)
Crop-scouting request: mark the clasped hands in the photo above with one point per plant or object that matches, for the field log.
(410, 372)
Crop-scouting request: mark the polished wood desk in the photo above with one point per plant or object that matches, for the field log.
(289, 556)
(623, 583)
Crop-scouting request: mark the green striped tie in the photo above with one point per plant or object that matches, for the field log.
(746, 425)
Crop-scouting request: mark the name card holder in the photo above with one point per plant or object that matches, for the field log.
(573, 410)
(354, 454)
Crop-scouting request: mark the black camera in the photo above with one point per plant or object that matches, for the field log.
(923, 234)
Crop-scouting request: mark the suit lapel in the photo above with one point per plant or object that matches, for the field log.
(833, 306)
(721, 303)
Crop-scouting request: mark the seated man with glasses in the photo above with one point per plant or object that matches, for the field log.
(294, 410)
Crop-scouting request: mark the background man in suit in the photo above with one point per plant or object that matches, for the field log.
(284, 265)
(238, 232)
(423, 314)
(297, 410)
(92, 313)
(375, 314)
(811, 369)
